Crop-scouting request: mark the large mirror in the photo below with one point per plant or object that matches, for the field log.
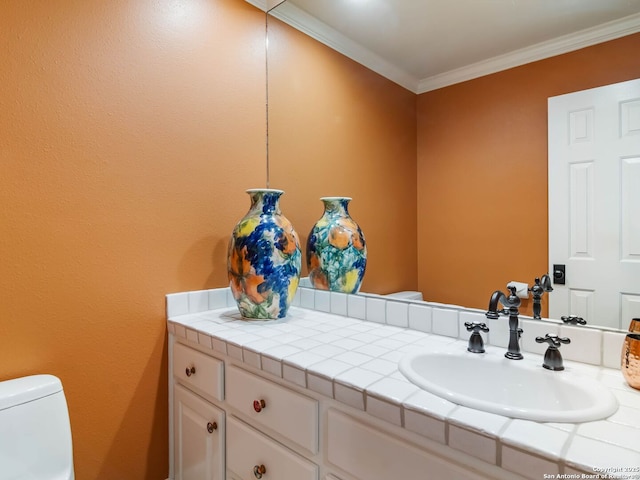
(447, 166)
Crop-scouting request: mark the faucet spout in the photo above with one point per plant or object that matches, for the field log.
(545, 282)
(493, 312)
(511, 304)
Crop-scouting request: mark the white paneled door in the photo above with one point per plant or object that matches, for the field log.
(594, 203)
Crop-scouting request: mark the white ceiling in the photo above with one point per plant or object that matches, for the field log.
(428, 44)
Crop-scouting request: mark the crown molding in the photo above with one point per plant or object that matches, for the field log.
(260, 4)
(265, 5)
(567, 43)
(302, 21)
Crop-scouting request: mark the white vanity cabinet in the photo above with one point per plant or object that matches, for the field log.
(319, 396)
(233, 422)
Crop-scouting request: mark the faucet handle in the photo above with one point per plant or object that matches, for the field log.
(573, 320)
(476, 327)
(552, 357)
(513, 300)
(553, 340)
(476, 344)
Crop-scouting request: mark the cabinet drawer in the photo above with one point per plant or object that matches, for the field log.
(266, 403)
(248, 450)
(365, 452)
(198, 370)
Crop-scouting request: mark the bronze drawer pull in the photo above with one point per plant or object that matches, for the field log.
(211, 426)
(258, 405)
(190, 371)
(259, 470)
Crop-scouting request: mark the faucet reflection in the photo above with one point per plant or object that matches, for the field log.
(511, 304)
(541, 286)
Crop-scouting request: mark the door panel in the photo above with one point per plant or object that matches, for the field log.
(199, 437)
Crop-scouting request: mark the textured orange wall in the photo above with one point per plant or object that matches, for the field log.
(336, 128)
(482, 171)
(129, 132)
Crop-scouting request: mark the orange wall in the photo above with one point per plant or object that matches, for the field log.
(129, 132)
(338, 129)
(482, 171)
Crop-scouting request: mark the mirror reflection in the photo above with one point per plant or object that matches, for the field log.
(449, 183)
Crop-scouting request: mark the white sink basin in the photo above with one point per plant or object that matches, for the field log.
(513, 388)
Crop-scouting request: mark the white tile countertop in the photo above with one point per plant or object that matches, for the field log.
(355, 361)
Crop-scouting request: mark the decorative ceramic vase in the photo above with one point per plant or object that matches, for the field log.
(336, 249)
(264, 258)
(630, 364)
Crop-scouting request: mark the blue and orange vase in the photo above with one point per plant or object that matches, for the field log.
(264, 258)
(336, 249)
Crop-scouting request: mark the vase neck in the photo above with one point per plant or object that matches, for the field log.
(265, 202)
(336, 206)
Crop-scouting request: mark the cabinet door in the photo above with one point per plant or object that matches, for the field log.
(367, 453)
(198, 437)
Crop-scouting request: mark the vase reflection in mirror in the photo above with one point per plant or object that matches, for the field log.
(336, 249)
(264, 258)
(630, 361)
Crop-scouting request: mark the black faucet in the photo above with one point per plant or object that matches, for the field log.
(541, 286)
(511, 304)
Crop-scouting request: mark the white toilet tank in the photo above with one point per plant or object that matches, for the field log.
(35, 433)
(406, 295)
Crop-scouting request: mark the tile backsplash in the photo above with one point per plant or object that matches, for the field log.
(588, 345)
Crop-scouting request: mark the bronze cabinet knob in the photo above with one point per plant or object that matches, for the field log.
(211, 426)
(258, 405)
(259, 470)
(190, 371)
